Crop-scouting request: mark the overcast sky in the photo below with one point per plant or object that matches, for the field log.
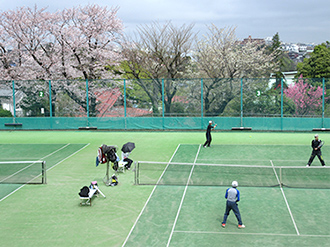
(295, 20)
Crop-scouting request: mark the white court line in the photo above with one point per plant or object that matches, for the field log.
(257, 234)
(183, 196)
(46, 170)
(256, 160)
(40, 160)
(251, 144)
(152, 192)
(286, 201)
(68, 157)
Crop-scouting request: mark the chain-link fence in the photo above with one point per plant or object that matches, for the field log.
(221, 97)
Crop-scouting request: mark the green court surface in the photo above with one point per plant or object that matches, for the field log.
(192, 215)
(163, 215)
(52, 154)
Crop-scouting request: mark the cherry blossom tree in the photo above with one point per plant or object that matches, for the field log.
(89, 38)
(77, 43)
(223, 59)
(307, 98)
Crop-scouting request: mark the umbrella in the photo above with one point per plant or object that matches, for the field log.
(128, 147)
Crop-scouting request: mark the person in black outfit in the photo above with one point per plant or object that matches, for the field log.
(208, 134)
(316, 145)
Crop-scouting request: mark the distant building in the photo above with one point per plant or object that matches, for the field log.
(250, 39)
(302, 48)
(289, 78)
(6, 101)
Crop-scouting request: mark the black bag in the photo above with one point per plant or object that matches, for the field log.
(112, 155)
(114, 180)
(84, 191)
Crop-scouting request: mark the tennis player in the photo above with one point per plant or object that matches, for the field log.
(316, 145)
(208, 134)
(232, 196)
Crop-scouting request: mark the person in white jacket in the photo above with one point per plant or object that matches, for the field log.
(125, 158)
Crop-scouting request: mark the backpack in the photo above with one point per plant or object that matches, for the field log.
(84, 191)
(112, 155)
(114, 180)
(101, 156)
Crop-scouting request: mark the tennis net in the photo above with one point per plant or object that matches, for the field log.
(162, 173)
(23, 172)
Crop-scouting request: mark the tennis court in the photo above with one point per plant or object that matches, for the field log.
(185, 215)
(144, 215)
(52, 154)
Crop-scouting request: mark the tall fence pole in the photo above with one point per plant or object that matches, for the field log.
(281, 103)
(87, 103)
(125, 111)
(163, 98)
(50, 104)
(323, 98)
(202, 104)
(125, 98)
(241, 102)
(14, 101)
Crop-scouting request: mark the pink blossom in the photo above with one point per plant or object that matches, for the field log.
(306, 97)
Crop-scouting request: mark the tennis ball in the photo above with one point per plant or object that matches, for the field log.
(250, 136)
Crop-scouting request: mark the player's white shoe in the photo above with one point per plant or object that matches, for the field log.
(307, 165)
(241, 226)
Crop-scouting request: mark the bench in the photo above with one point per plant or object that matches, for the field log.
(87, 128)
(241, 128)
(13, 124)
(92, 192)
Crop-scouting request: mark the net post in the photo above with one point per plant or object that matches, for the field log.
(44, 175)
(135, 173)
(281, 183)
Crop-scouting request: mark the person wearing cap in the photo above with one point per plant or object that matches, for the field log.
(316, 146)
(233, 196)
(208, 134)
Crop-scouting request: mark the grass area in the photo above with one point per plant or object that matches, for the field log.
(50, 215)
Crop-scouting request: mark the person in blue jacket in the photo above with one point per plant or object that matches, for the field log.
(233, 196)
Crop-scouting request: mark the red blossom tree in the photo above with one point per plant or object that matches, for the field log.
(307, 98)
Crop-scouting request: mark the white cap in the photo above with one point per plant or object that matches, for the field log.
(316, 135)
(234, 184)
(210, 121)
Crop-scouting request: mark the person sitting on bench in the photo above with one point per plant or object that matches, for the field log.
(125, 158)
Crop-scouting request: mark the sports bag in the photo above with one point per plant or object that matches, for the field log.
(84, 191)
